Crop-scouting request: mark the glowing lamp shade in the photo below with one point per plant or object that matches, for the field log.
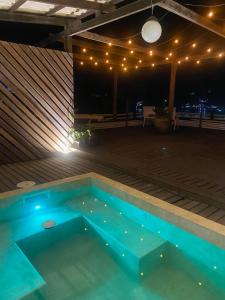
(151, 30)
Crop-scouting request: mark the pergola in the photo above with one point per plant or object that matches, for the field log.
(78, 17)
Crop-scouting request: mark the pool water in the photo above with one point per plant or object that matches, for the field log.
(105, 248)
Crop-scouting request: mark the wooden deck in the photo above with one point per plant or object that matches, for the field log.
(54, 168)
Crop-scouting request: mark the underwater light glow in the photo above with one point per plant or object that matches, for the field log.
(37, 207)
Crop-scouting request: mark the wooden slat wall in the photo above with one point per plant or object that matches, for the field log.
(36, 101)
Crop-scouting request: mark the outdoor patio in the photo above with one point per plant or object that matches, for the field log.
(190, 176)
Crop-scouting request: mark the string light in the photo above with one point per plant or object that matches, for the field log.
(131, 52)
(96, 63)
(167, 58)
(209, 50)
(176, 41)
(150, 52)
(81, 63)
(91, 58)
(122, 65)
(124, 59)
(187, 58)
(220, 54)
(198, 62)
(84, 50)
(140, 61)
(125, 69)
(136, 67)
(210, 14)
(193, 45)
(170, 54)
(107, 53)
(110, 44)
(179, 62)
(107, 61)
(110, 68)
(129, 42)
(153, 65)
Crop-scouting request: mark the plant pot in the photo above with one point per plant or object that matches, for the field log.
(162, 124)
(87, 141)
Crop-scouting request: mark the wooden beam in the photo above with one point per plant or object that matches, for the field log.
(115, 93)
(16, 5)
(68, 43)
(32, 18)
(117, 14)
(83, 4)
(191, 16)
(173, 74)
(118, 43)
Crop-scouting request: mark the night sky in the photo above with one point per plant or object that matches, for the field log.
(93, 86)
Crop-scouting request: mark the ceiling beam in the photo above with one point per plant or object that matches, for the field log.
(119, 13)
(83, 4)
(16, 5)
(118, 43)
(35, 19)
(191, 16)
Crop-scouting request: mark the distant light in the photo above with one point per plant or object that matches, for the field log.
(153, 65)
(122, 65)
(81, 63)
(110, 44)
(84, 50)
(179, 62)
(193, 45)
(124, 59)
(107, 53)
(220, 54)
(199, 283)
(187, 58)
(140, 61)
(136, 67)
(125, 69)
(150, 52)
(110, 68)
(131, 52)
(176, 41)
(167, 58)
(129, 42)
(107, 61)
(198, 62)
(209, 50)
(91, 58)
(96, 63)
(210, 14)
(142, 274)
(37, 207)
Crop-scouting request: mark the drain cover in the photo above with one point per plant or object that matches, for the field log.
(49, 224)
(25, 184)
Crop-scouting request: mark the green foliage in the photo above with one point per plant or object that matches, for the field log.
(80, 131)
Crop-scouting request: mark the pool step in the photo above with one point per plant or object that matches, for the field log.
(139, 263)
(23, 280)
(135, 247)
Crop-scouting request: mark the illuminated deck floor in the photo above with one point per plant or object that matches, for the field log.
(64, 166)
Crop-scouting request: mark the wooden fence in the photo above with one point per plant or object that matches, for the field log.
(36, 101)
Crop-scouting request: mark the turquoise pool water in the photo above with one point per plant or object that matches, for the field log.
(101, 248)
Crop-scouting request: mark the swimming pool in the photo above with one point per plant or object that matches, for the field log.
(106, 241)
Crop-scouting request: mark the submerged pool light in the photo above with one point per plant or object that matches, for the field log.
(37, 207)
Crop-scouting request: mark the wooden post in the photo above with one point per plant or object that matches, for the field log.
(115, 93)
(127, 112)
(68, 42)
(172, 89)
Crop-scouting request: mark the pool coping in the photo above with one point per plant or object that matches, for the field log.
(198, 225)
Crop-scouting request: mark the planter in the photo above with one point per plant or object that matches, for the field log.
(162, 124)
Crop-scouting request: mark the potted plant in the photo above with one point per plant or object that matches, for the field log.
(161, 121)
(81, 135)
